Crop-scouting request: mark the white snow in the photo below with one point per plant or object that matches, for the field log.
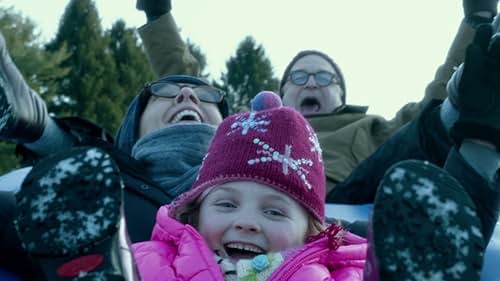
(476, 231)
(65, 168)
(92, 154)
(398, 174)
(40, 202)
(92, 225)
(457, 269)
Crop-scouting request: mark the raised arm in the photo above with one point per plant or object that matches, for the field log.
(476, 12)
(165, 49)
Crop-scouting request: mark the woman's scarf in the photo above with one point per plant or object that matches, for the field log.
(172, 156)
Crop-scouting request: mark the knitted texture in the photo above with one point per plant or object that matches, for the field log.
(276, 147)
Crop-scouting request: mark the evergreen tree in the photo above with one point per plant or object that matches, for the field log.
(8, 160)
(90, 89)
(133, 67)
(37, 66)
(248, 73)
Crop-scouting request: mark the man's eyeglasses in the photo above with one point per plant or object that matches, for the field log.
(171, 90)
(322, 78)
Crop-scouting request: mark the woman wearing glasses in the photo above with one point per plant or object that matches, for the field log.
(173, 103)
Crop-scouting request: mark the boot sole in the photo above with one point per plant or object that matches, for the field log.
(70, 210)
(425, 226)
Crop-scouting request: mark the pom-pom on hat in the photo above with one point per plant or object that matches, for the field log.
(274, 146)
(266, 100)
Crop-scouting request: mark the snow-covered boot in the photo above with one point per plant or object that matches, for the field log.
(23, 113)
(71, 218)
(423, 227)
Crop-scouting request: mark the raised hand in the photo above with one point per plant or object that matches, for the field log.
(474, 6)
(475, 89)
(154, 8)
(479, 11)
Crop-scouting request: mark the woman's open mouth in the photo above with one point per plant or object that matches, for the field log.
(186, 115)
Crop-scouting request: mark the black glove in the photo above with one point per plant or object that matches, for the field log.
(472, 7)
(478, 85)
(154, 8)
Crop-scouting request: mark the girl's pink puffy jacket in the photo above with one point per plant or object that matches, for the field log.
(178, 252)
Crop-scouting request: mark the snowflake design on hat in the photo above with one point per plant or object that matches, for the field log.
(252, 122)
(269, 155)
(313, 139)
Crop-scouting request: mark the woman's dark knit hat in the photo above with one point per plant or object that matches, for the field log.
(304, 53)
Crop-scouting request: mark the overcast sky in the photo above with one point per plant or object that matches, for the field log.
(388, 50)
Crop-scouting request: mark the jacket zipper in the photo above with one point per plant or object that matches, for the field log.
(299, 259)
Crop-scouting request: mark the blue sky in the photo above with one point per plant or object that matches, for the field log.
(388, 50)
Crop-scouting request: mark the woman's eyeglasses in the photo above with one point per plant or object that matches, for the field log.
(322, 78)
(171, 90)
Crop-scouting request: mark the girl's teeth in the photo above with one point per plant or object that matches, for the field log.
(245, 247)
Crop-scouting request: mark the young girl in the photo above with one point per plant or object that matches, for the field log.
(256, 211)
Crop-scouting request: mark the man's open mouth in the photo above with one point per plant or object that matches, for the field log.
(310, 105)
(186, 115)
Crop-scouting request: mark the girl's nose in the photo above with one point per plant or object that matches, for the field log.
(247, 224)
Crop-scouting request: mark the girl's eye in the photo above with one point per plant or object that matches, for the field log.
(225, 204)
(275, 213)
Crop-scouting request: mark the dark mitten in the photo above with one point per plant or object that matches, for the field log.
(154, 8)
(478, 96)
(473, 6)
(474, 11)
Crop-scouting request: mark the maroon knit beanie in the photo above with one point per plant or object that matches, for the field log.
(273, 146)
